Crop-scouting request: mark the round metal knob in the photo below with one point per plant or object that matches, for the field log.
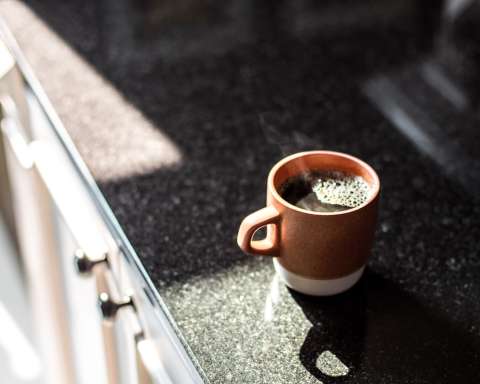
(109, 308)
(83, 264)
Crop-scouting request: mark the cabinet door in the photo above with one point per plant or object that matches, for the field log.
(89, 339)
(78, 227)
(35, 234)
(54, 216)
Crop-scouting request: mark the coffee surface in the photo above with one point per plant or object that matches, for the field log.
(325, 191)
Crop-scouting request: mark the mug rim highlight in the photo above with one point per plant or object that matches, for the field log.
(375, 185)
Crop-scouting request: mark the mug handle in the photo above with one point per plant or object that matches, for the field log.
(268, 246)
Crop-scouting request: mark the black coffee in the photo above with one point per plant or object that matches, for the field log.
(325, 191)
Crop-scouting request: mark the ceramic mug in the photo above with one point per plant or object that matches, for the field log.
(317, 253)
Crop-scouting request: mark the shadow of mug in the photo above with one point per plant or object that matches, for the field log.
(338, 325)
(384, 334)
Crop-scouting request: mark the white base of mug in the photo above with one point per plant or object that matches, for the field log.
(316, 287)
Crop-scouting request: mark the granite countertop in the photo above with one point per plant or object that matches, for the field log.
(180, 109)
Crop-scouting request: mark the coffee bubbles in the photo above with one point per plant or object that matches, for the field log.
(325, 191)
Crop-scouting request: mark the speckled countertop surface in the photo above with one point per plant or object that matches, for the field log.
(180, 109)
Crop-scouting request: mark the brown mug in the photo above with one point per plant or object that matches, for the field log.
(317, 253)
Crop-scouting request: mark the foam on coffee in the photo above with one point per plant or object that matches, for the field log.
(326, 191)
(341, 189)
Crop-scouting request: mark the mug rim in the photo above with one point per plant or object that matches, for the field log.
(375, 185)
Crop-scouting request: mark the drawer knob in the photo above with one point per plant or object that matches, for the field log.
(109, 307)
(84, 265)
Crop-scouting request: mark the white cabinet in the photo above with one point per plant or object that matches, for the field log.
(51, 218)
(57, 214)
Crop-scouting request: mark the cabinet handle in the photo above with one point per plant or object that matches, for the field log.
(10, 127)
(84, 264)
(109, 307)
(12, 107)
(149, 363)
